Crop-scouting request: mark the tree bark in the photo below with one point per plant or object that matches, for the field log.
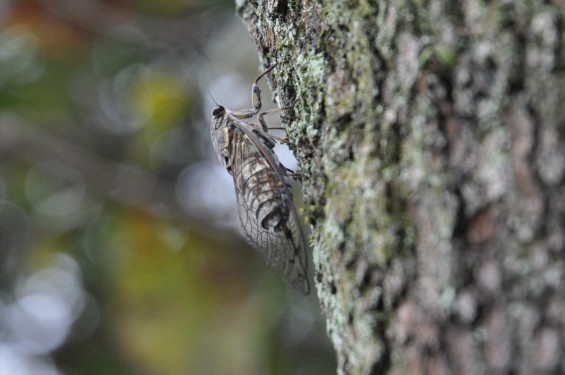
(431, 140)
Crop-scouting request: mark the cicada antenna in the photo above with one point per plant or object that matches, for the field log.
(211, 97)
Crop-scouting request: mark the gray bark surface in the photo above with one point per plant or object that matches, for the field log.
(431, 139)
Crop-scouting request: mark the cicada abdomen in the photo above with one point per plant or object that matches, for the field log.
(263, 190)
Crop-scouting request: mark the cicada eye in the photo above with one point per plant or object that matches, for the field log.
(218, 111)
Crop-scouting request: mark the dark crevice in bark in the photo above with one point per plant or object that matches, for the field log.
(541, 230)
(560, 44)
(517, 81)
(461, 221)
(384, 365)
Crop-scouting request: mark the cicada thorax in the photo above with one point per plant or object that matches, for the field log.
(265, 191)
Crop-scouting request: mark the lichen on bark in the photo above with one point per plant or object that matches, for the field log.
(431, 138)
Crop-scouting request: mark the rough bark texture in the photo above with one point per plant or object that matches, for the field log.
(431, 138)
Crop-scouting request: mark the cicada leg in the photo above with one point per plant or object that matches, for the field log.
(255, 98)
(262, 119)
(297, 176)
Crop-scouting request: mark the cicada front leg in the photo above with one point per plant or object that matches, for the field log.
(255, 98)
(261, 118)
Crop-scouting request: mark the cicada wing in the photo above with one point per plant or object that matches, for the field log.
(261, 184)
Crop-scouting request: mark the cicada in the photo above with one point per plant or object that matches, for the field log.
(268, 216)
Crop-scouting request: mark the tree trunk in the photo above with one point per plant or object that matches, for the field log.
(431, 139)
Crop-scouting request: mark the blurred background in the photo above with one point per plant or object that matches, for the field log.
(119, 251)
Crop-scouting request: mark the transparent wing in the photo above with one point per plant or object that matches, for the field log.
(261, 181)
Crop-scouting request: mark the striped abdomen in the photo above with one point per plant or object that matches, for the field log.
(266, 192)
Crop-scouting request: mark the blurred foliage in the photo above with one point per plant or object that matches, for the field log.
(118, 244)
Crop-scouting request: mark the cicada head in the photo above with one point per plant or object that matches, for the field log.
(218, 113)
(219, 132)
